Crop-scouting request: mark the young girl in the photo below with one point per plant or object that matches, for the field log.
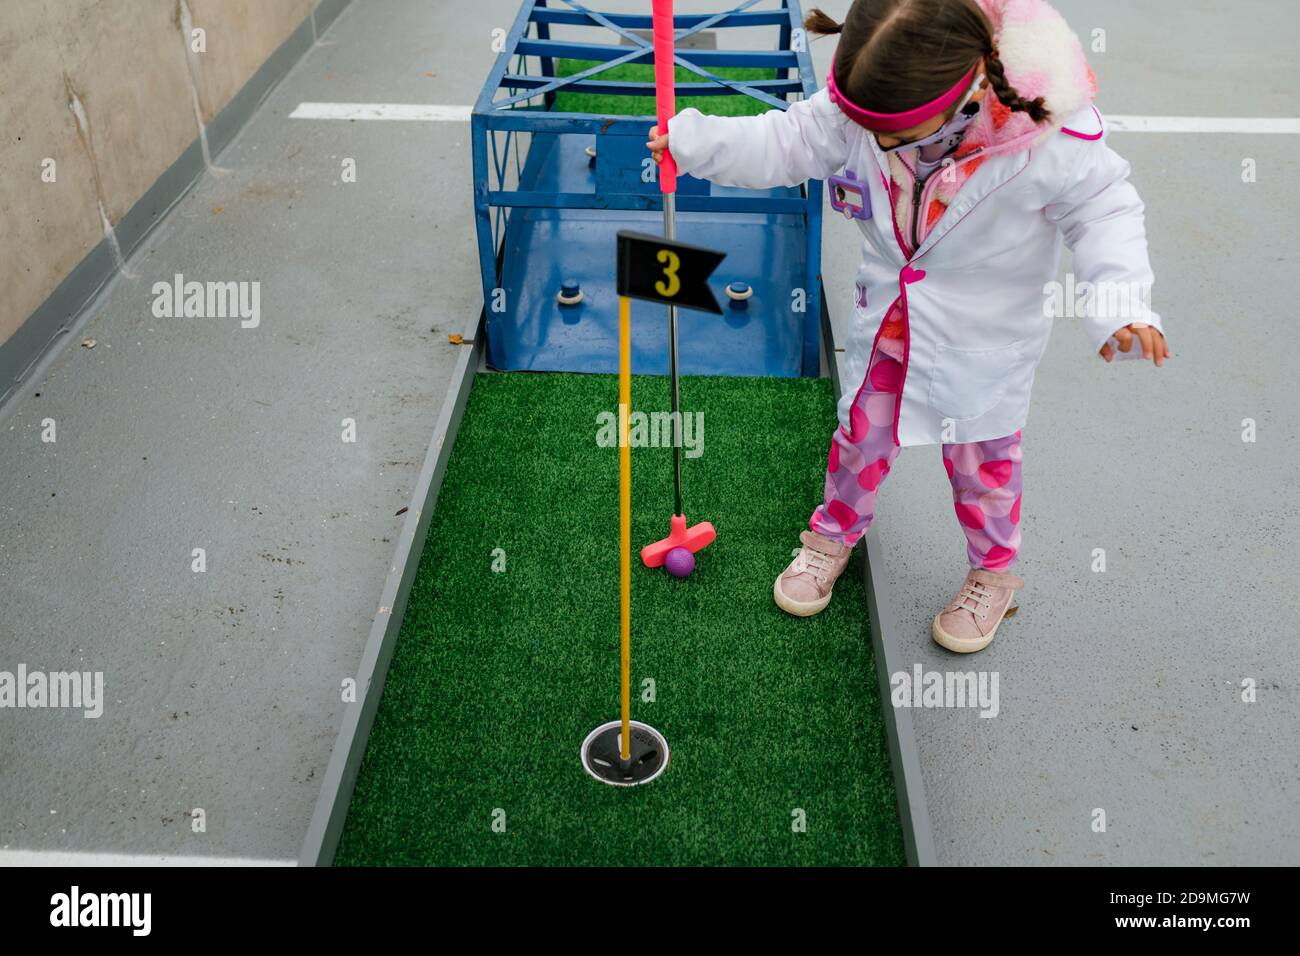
(966, 198)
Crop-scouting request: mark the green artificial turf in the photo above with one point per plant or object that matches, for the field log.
(602, 105)
(499, 675)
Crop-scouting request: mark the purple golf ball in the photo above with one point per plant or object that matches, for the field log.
(680, 562)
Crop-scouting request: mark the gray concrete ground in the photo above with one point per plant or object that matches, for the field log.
(1119, 690)
(223, 687)
(1122, 690)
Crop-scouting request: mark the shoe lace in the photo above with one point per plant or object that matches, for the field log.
(817, 563)
(974, 597)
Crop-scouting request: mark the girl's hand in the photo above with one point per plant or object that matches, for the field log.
(1153, 343)
(657, 144)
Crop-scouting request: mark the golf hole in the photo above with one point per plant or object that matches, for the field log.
(602, 754)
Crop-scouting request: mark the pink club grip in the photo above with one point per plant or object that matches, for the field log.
(665, 87)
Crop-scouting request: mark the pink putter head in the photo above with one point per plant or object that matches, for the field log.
(693, 539)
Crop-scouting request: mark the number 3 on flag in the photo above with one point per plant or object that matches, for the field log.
(672, 273)
(672, 262)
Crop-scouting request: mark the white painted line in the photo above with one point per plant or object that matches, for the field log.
(420, 112)
(75, 858)
(1200, 124)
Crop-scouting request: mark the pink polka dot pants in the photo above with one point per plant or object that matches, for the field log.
(985, 476)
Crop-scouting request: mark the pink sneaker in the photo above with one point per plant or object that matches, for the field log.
(804, 588)
(982, 602)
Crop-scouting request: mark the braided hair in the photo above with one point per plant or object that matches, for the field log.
(1006, 93)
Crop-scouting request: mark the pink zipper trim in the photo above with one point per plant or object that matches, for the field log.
(906, 276)
(907, 356)
(907, 230)
(893, 220)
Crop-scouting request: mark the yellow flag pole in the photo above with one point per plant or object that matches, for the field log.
(625, 513)
(608, 753)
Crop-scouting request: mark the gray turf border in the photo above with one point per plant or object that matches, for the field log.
(331, 812)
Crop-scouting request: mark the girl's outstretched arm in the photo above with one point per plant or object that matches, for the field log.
(1102, 220)
(777, 148)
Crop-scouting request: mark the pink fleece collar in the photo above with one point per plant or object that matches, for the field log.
(893, 122)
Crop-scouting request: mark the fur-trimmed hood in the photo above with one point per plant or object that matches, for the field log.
(1041, 57)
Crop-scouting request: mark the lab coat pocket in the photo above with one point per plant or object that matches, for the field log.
(969, 383)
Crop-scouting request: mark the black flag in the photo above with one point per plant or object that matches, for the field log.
(673, 273)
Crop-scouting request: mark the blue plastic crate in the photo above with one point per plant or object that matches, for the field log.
(546, 213)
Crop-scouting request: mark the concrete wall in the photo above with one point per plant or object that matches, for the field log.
(111, 91)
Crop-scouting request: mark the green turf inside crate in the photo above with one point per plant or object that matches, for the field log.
(604, 105)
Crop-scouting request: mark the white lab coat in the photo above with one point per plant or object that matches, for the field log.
(974, 293)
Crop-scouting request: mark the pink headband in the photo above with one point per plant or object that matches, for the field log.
(893, 122)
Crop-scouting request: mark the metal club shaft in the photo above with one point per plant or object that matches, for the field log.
(670, 233)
